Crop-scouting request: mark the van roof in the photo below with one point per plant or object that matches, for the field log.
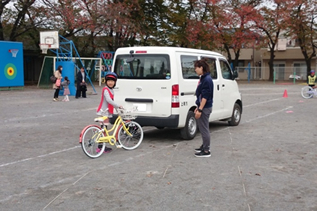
(165, 49)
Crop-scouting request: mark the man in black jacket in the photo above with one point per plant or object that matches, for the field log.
(81, 83)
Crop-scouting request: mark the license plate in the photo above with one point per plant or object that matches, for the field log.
(140, 107)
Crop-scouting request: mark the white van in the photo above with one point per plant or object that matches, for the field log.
(161, 82)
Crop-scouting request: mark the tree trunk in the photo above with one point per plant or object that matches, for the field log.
(236, 59)
(271, 62)
(228, 54)
(1, 31)
(308, 58)
(20, 18)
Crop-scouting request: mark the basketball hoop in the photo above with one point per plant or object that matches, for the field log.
(44, 48)
(14, 52)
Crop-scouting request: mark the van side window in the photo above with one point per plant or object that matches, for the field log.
(188, 69)
(225, 70)
(212, 66)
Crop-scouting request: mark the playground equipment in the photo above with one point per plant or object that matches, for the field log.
(11, 64)
(64, 49)
(107, 60)
(50, 63)
(14, 52)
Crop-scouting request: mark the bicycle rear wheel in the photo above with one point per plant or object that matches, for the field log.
(307, 92)
(130, 142)
(89, 141)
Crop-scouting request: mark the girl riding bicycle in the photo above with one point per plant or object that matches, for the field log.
(311, 79)
(107, 103)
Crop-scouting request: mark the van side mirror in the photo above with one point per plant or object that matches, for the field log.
(235, 75)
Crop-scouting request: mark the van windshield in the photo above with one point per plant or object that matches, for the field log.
(143, 66)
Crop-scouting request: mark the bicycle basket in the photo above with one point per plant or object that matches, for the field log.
(127, 114)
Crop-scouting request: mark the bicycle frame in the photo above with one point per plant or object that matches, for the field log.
(114, 128)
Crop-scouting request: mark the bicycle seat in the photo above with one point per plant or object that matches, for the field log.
(100, 119)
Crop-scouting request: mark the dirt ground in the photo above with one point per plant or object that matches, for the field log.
(268, 162)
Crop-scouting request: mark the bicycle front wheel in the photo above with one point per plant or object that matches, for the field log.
(307, 92)
(130, 142)
(89, 141)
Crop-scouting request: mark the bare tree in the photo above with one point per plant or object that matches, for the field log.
(2, 7)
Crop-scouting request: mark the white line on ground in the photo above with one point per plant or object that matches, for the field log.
(44, 115)
(67, 189)
(117, 163)
(269, 114)
(269, 94)
(40, 156)
(263, 102)
(139, 155)
(81, 177)
(127, 160)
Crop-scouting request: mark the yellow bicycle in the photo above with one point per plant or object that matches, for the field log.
(124, 133)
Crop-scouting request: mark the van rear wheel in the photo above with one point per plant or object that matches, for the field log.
(236, 115)
(190, 129)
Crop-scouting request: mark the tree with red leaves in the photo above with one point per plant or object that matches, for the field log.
(225, 26)
(239, 21)
(271, 21)
(92, 24)
(302, 25)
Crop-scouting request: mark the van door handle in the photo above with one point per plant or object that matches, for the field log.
(217, 86)
(187, 93)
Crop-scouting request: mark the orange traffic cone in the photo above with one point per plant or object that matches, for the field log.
(285, 93)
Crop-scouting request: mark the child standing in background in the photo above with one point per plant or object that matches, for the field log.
(65, 84)
(311, 79)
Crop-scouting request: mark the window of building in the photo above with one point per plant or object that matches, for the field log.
(300, 70)
(240, 67)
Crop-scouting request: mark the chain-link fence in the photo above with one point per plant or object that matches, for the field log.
(281, 73)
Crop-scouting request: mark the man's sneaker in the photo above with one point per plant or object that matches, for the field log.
(199, 149)
(203, 154)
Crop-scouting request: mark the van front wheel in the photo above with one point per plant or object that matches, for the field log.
(190, 129)
(236, 115)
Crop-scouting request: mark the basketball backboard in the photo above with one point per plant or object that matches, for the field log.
(49, 39)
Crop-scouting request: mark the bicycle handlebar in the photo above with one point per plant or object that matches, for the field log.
(124, 113)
